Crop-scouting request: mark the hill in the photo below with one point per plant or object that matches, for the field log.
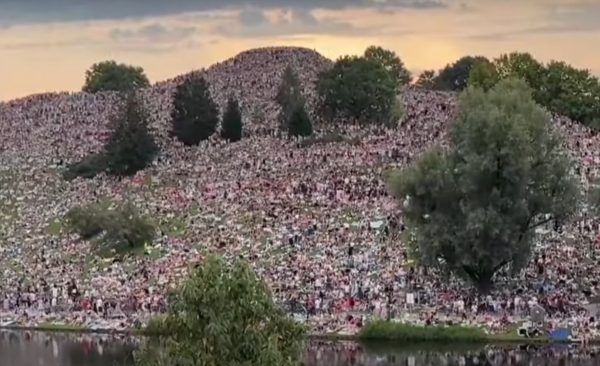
(293, 211)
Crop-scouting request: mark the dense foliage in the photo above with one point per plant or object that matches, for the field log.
(131, 146)
(129, 149)
(391, 62)
(361, 90)
(195, 115)
(455, 76)
(293, 117)
(116, 229)
(225, 315)
(232, 121)
(111, 76)
(474, 208)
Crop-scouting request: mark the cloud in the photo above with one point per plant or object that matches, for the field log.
(16, 12)
(154, 32)
(285, 22)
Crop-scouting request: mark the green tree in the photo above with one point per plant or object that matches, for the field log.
(289, 96)
(131, 146)
(426, 79)
(571, 92)
(232, 121)
(111, 76)
(474, 208)
(359, 89)
(484, 75)
(195, 115)
(391, 62)
(456, 76)
(225, 315)
(299, 123)
(520, 65)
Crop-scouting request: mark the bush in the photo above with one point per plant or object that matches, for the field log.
(87, 168)
(118, 230)
(387, 331)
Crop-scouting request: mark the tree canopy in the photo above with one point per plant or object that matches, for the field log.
(474, 208)
(232, 121)
(195, 115)
(455, 76)
(299, 123)
(111, 76)
(359, 89)
(225, 315)
(391, 62)
(130, 147)
(484, 75)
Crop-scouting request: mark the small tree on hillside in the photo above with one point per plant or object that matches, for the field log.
(391, 62)
(289, 95)
(475, 208)
(232, 121)
(110, 76)
(299, 123)
(195, 115)
(130, 147)
(360, 89)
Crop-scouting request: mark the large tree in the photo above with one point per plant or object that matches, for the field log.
(455, 76)
(473, 209)
(484, 75)
(225, 315)
(426, 79)
(391, 62)
(130, 147)
(195, 115)
(572, 92)
(359, 89)
(111, 76)
(232, 121)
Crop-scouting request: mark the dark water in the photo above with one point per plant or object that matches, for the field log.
(54, 349)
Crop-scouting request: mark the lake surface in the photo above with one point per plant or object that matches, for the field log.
(55, 349)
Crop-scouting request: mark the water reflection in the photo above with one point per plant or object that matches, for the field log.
(55, 349)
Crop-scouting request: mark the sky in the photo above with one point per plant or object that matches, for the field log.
(46, 45)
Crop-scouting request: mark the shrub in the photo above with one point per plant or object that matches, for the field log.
(118, 230)
(87, 168)
(387, 331)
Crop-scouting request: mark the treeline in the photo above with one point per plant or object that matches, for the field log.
(558, 86)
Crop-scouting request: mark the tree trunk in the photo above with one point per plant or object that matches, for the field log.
(484, 282)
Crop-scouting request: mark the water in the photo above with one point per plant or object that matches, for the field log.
(54, 349)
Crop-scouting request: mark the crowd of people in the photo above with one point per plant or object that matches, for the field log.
(315, 222)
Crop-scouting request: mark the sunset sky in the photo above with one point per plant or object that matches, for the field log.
(46, 45)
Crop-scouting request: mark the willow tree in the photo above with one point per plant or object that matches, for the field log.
(225, 315)
(474, 208)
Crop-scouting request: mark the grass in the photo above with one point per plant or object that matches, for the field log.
(55, 227)
(388, 331)
(394, 332)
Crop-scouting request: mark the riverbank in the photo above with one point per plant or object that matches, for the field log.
(374, 331)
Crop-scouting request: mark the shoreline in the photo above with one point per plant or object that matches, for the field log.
(502, 338)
